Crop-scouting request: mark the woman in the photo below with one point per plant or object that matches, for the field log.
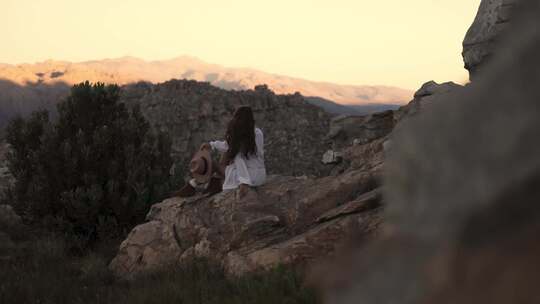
(242, 161)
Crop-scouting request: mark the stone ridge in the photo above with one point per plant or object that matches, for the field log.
(128, 70)
(196, 112)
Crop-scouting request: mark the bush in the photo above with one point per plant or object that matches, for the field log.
(97, 169)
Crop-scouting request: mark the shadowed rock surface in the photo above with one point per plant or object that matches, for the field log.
(6, 178)
(9, 221)
(288, 220)
(196, 112)
(8, 217)
(348, 130)
(461, 186)
(430, 93)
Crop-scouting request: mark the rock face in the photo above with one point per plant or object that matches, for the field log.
(461, 187)
(430, 93)
(195, 112)
(483, 36)
(9, 221)
(331, 157)
(8, 217)
(288, 220)
(6, 178)
(349, 130)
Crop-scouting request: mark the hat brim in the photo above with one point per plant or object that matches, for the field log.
(205, 155)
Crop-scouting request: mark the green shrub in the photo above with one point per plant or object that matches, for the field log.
(96, 169)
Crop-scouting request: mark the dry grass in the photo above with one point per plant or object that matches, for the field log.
(39, 270)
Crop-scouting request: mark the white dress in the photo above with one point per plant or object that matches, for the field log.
(242, 170)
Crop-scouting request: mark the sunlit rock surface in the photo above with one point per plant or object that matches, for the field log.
(485, 33)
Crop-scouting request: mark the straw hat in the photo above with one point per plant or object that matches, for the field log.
(200, 166)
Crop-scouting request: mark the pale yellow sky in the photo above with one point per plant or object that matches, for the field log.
(392, 42)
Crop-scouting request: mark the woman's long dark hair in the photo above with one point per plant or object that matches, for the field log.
(240, 134)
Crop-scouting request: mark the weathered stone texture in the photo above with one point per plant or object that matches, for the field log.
(279, 222)
(484, 35)
(196, 112)
(461, 185)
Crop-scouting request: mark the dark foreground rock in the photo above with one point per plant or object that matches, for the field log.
(10, 223)
(461, 186)
(8, 217)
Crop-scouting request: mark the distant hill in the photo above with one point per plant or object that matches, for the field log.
(361, 109)
(129, 69)
(25, 87)
(332, 107)
(374, 107)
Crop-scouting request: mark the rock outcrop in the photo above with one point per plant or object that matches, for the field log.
(196, 112)
(348, 130)
(430, 93)
(485, 33)
(461, 187)
(288, 220)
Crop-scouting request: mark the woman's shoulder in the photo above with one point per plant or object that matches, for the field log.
(258, 131)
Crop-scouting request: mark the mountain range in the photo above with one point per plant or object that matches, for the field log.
(25, 87)
(130, 69)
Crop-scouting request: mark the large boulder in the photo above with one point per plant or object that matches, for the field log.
(288, 220)
(368, 157)
(485, 33)
(430, 92)
(461, 186)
